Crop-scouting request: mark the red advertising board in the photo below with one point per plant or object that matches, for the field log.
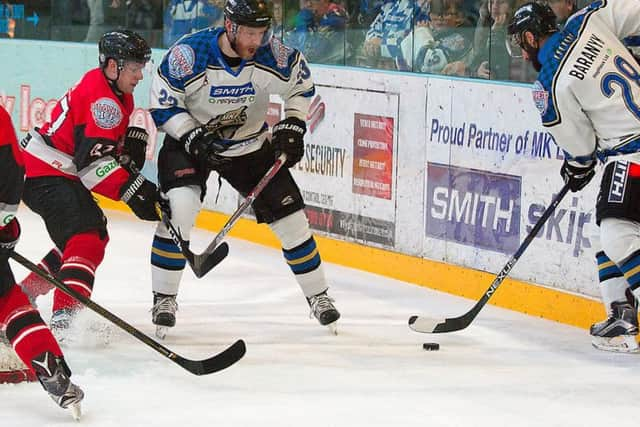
(372, 155)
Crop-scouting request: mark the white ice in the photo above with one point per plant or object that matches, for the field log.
(506, 369)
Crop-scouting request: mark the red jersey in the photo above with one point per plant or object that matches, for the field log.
(83, 137)
(11, 171)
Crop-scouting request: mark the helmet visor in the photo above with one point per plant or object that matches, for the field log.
(513, 42)
(134, 67)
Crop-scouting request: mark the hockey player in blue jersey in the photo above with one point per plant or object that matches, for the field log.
(210, 95)
(588, 95)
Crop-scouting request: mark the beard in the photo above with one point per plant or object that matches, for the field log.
(536, 63)
(533, 57)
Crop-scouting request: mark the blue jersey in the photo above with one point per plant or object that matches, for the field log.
(194, 86)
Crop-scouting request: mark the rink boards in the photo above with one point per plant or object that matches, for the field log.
(430, 180)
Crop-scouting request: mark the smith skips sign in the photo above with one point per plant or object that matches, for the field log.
(473, 207)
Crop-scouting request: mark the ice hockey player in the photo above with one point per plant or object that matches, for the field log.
(210, 95)
(588, 94)
(19, 320)
(77, 152)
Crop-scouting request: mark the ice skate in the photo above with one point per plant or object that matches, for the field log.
(61, 321)
(619, 331)
(322, 308)
(163, 313)
(53, 373)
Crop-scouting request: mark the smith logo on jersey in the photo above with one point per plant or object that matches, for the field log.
(232, 91)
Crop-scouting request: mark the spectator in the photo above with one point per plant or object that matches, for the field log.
(188, 16)
(96, 19)
(491, 59)
(140, 14)
(392, 25)
(320, 32)
(448, 50)
(278, 18)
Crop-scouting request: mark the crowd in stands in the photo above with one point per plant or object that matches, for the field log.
(452, 37)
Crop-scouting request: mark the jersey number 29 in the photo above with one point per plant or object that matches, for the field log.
(628, 76)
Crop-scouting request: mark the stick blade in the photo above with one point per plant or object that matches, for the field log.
(202, 264)
(216, 363)
(423, 324)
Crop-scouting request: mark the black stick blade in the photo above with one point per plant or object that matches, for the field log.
(202, 264)
(216, 363)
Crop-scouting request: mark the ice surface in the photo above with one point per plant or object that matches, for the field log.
(506, 369)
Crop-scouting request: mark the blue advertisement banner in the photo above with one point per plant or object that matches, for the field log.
(473, 207)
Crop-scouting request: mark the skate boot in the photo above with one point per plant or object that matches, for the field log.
(619, 331)
(322, 308)
(61, 321)
(53, 373)
(163, 313)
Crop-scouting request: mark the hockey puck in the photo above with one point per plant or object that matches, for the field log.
(431, 346)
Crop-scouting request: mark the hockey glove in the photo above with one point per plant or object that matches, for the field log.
(142, 197)
(134, 149)
(577, 175)
(9, 235)
(204, 146)
(288, 138)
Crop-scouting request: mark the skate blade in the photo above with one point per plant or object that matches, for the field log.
(161, 332)
(75, 410)
(333, 328)
(619, 344)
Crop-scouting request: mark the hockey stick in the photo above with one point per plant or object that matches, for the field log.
(217, 250)
(213, 364)
(430, 325)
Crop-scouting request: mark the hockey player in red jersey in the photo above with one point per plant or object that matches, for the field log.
(77, 152)
(20, 321)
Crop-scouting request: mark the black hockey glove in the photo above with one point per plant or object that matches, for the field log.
(142, 197)
(288, 138)
(577, 175)
(9, 236)
(134, 149)
(204, 146)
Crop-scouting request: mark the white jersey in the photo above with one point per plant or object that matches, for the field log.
(194, 85)
(588, 91)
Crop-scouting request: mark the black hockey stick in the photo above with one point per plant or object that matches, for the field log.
(217, 250)
(431, 325)
(215, 258)
(198, 367)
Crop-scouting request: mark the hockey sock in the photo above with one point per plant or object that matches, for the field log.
(631, 270)
(33, 285)
(167, 265)
(82, 255)
(26, 330)
(612, 282)
(301, 252)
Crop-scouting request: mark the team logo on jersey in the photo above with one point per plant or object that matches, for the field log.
(280, 52)
(540, 97)
(106, 113)
(181, 60)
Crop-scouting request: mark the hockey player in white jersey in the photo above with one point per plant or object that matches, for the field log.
(210, 95)
(588, 94)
